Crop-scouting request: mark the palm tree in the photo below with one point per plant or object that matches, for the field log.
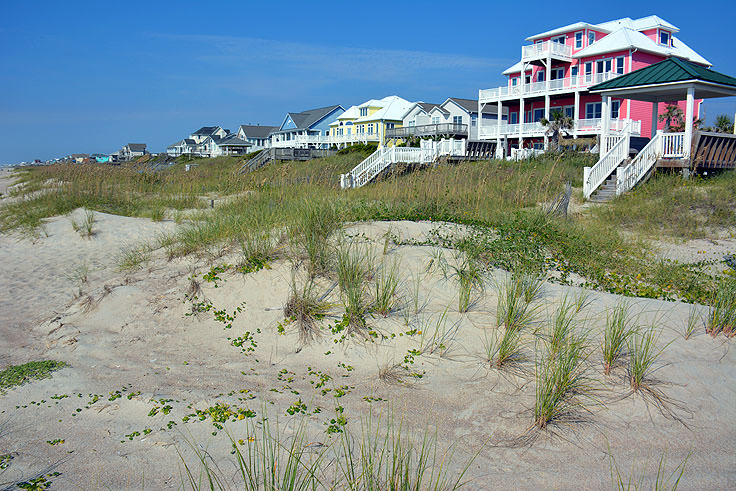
(723, 124)
(673, 117)
(556, 127)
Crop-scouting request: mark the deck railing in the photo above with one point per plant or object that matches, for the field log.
(428, 130)
(557, 85)
(545, 48)
(618, 152)
(583, 126)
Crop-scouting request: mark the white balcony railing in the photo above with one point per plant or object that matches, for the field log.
(544, 49)
(534, 88)
(582, 126)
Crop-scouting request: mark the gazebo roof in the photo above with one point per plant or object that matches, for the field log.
(667, 80)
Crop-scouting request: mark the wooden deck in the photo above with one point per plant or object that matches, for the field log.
(713, 151)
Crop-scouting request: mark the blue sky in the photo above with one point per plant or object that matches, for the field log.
(92, 76)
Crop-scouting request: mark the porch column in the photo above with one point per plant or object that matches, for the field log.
(576, 115)
(689, 113)
(521, 122)
(479, 121)
(546, 116)
(606, 114)
(655, 114)
(499, 115)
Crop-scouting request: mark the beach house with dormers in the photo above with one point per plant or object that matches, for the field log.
(306, 129)
(368, 122)
(557, 68)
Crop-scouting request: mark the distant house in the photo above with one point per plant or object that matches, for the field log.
(307, 128)
(418, 114)
(214, 146)
(78, 157)
(201, 134)
(369, 121)
(183, 147)
(100, 158)
(132, 151)
(256, 135)
(465, 111)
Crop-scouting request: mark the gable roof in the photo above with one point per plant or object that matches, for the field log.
(644, 23)
(666, 71)
(137, 147)
(231, 140)
(393, 108)
(306, 119)
(562, 30)
(206, 130)
(257, 131)
(626, 38)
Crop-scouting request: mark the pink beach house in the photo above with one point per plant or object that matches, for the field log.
(558, 67)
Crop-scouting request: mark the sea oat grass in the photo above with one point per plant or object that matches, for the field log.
(722, 312)
(305, 308)
(619, 328)
(643, 353)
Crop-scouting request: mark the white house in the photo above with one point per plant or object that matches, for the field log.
(214, 146)
(258, 136)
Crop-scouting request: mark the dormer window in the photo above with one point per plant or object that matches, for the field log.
(664, 38)
(579, 40)
(364, 111)
(591, 37)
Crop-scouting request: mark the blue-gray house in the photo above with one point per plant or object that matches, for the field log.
(307, 128)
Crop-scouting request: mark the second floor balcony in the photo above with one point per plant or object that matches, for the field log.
(580, 127)
(559, 85)
(428, 130)
(546, 49)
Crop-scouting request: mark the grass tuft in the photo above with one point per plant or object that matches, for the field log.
(305, 308)
(354, 265)
(617, 332)
(722, 312)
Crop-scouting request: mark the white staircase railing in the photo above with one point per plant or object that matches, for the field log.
(663, 145)
(618, 151)
(379, 160)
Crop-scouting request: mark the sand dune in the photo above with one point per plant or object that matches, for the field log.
(136, 335)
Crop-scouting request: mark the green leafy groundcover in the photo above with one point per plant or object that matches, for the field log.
(15, 375)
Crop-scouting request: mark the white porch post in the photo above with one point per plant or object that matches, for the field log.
(606, 116)
(548, 77)
(521, 123)
(479, 120)
(576, 115)
(499, 115)
(689, 112)
(655, 115)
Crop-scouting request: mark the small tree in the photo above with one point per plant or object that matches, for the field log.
(723, 124)
(673, 117)
(556, 127)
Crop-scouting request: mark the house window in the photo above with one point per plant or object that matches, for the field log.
(593, 110)
(615, 107)
(457, 120)
(370, 128)
(559, 39)
(514, 118)
(390, 126)
(528, 118)
(604, 66)
(538, 114)
(589, 71)
(435, 120)
(514, 81)
(474, 120)
(664, 38)
(620, 65)
(569, 111)
(364, 111)
(540, 76)
(574, 71)
(527, 79)
(591, 37)
(579, 40)
(557, 73)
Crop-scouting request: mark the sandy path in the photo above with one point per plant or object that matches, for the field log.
(138, 339)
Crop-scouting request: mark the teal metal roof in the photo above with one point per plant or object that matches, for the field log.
(666, 71)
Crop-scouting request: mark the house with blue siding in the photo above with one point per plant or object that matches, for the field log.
(307, 128)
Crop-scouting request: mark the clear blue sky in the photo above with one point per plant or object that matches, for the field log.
(92, 76)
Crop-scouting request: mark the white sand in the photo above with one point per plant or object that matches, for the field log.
(138, 336)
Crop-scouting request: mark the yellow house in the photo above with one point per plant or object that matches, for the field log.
(368, 122)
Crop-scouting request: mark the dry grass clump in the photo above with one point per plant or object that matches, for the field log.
(312, 223)
(354, 266)
(562, 384)
(643, 353)
(722, 313)
(617, 332)
(305, 308)
(385, 299)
